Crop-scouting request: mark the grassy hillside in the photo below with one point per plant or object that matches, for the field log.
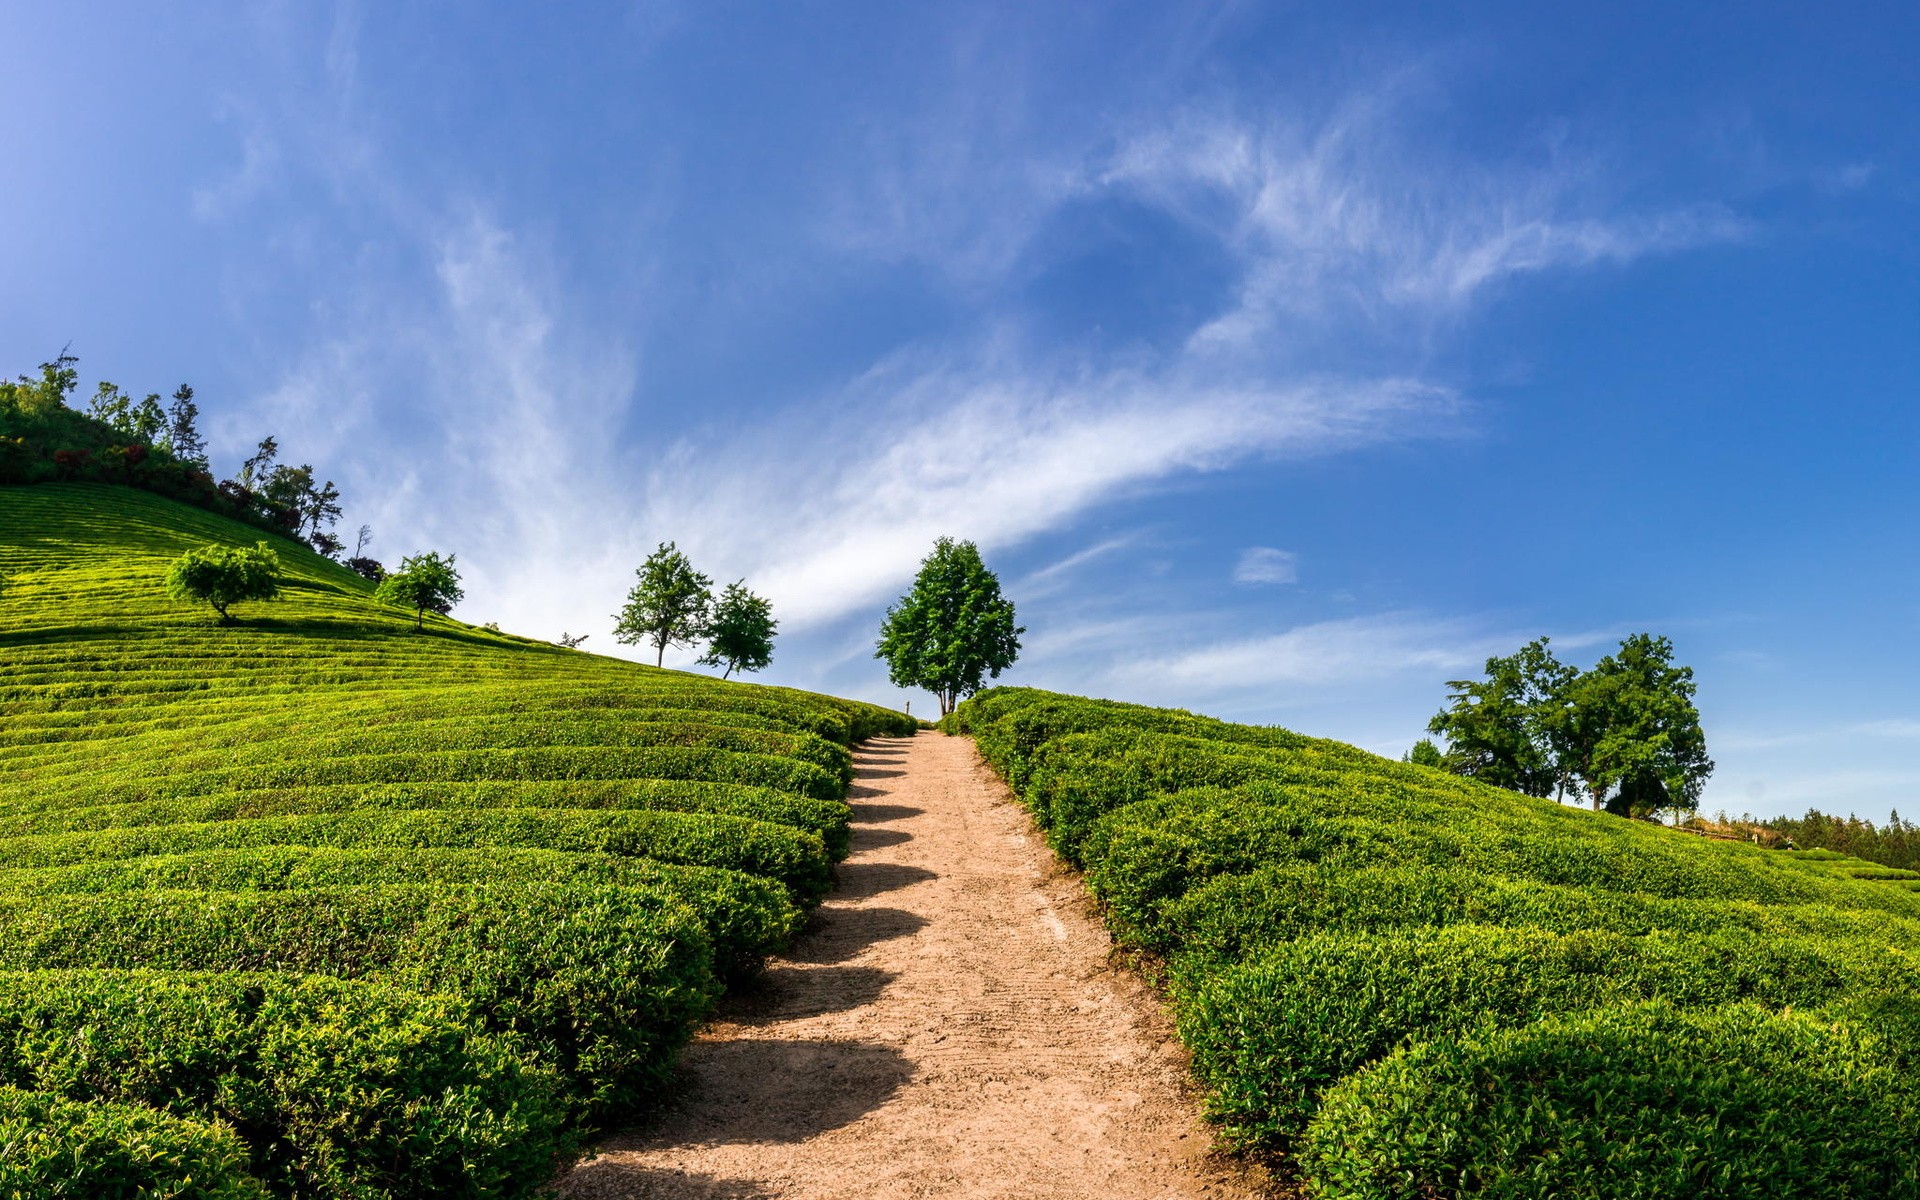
(1416, 985)
(404, 913)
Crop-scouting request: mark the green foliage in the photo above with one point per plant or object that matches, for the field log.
(603, 984)
(58, 1149)
(1425, 754)
(472, 816)
(668, 604)
(1497, 729)
(954, 630)
(1646, 1101)
(225, 575)
(424, 581)
(339, 1089)
(740, 631)
(1339, 934)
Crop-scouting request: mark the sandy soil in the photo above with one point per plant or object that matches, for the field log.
(949, 1026)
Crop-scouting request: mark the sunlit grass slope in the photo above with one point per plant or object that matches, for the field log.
(1418, 985)
(404, 911)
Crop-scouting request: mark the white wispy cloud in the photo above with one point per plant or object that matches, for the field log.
(1264, 564)
(1354, 650)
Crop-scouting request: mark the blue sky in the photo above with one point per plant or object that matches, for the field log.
(1286, 361)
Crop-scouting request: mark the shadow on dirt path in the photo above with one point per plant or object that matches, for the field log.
(948, 1025)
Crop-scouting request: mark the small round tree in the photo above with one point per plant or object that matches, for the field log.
(954, 630)
(740, 631)
(667, 606)
(424, 581)
(225, 575)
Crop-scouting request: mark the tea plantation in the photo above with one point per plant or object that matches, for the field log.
(1415, 985)
(316, 905)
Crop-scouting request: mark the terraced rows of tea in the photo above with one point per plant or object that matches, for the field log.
(1411, 985)
(317, 905)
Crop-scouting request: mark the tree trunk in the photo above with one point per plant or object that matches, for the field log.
(724, 675)
(660, 659)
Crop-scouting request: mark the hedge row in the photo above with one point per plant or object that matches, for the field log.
(59, 1149)
(339, 1089)
(216, 749)
(546, 762)
(747, 917)
(793, 858)
(1357, 945)
(1644, 1101)
(603, 984)
(827, 819)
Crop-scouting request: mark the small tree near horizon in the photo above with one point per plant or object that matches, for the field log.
(1425, 754)
(221, 576)
(740, 631)
(423, 582)
(667, 606)
(954, 630)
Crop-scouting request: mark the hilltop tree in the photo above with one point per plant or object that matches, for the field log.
(1499, 730)
(225, 575)
(1425, 754)
(667, 606)
(740, 631)
(1628, 730)
(424, 581)
(954, 630)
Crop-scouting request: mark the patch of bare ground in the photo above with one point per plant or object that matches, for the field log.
(950, 1025)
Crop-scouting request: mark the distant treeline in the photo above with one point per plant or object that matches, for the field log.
(1894, 844)
(146, 444)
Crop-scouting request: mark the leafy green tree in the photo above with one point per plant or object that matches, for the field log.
(668, 604)
(1425, 754)
(225, 575)
(1499, 730)
(740, 631)
(424, 581)
(1630, 733)
(954, 630)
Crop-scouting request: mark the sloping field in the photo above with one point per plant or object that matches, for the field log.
(1414, 985)
(317, 905)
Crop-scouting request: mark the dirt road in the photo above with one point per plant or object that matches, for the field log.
(949, 1026)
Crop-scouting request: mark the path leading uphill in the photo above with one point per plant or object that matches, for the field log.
(948, 1027)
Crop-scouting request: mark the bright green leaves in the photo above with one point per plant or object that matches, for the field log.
(225, 575)
(424, 581)
(954, 630)
(668, 604)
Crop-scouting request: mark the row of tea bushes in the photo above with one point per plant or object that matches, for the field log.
(317, 906)
(1417, 985)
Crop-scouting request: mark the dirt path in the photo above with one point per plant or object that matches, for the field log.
(949, 1027)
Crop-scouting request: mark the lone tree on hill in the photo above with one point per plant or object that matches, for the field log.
(224, 575)
(424, 581)
(668, 605)
(740, 631)
(953, 630)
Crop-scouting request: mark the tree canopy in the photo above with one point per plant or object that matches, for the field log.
(424, 581)
(954, 630)
(740, 631)
(668, 604)
(225, 575)
(1626, 732)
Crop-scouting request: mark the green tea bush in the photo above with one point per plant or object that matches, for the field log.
(747, 918)
(796, 859)
(1316, 911)
(58, 1149)
(828, 819)
(339, 1089)
(1637, 1102)
(1270, 1034)
(602, 983)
